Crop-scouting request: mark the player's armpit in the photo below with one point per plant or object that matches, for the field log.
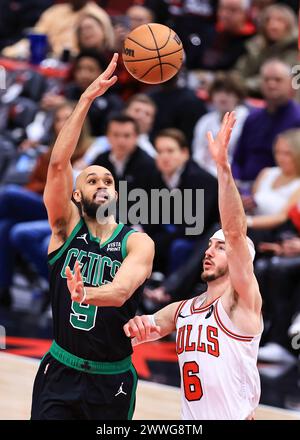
(58, 195)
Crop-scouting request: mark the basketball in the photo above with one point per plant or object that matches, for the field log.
(152, 53)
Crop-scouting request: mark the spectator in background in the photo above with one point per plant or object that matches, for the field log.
(193, 21)
(92, 34)
(278, 277)
(232, 31)
(135, 16)
(123, 25)
(18, 15)
(277, 38)
(88, 65)
(59, 23)
(25, 204)
(257, 7)
(254, 149)
(226, 94)
(277, 188)
(177, 106)
(278, 274)
(138, 15)
(178, 172)
(125, 159)
(142, 109)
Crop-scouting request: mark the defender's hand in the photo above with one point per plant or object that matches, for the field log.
(103, 82)
(219, 147)
(142, 329)
(75, 283)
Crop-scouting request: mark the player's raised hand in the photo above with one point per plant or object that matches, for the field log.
(104, 81)
(219, 146)
(141, 330)
(75, 283)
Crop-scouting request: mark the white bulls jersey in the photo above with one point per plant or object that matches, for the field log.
(219, 376)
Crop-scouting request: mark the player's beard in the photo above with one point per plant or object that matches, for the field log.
(88, 207)
(214, 276)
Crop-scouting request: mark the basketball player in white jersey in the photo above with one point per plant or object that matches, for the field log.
(218, 332)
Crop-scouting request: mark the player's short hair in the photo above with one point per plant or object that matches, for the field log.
(122, 118)
(175, 134)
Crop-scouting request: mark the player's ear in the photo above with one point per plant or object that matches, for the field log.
(77, 195)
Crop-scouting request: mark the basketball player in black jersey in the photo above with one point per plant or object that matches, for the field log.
(88, 374)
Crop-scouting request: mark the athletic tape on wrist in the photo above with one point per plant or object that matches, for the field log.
(84, 295)
(152, 320)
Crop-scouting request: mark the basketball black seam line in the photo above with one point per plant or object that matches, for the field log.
(158, 54)
(153, 58)
(152, 67)
(148, 48)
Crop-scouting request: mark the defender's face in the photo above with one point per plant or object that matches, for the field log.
(215, 261)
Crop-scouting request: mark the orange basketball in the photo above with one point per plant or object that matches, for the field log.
(152, 53)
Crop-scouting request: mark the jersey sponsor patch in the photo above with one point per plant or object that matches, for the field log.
(114, 247)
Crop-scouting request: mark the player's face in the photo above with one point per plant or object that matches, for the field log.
(215, 261)
(86, 71)
(143, 113)
(96, 188)
(122, 138)
(170, 157)
(284, 157)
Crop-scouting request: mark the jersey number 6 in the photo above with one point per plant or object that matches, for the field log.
(191, 382)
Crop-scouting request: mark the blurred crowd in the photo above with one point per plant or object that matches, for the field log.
(239, 55)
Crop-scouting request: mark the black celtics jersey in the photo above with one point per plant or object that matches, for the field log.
(88, 331)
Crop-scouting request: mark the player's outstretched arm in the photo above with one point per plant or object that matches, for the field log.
(135, 269)
(233, 220)
(59, 185)
(148, 328)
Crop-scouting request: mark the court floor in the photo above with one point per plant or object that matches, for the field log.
(154, 401)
